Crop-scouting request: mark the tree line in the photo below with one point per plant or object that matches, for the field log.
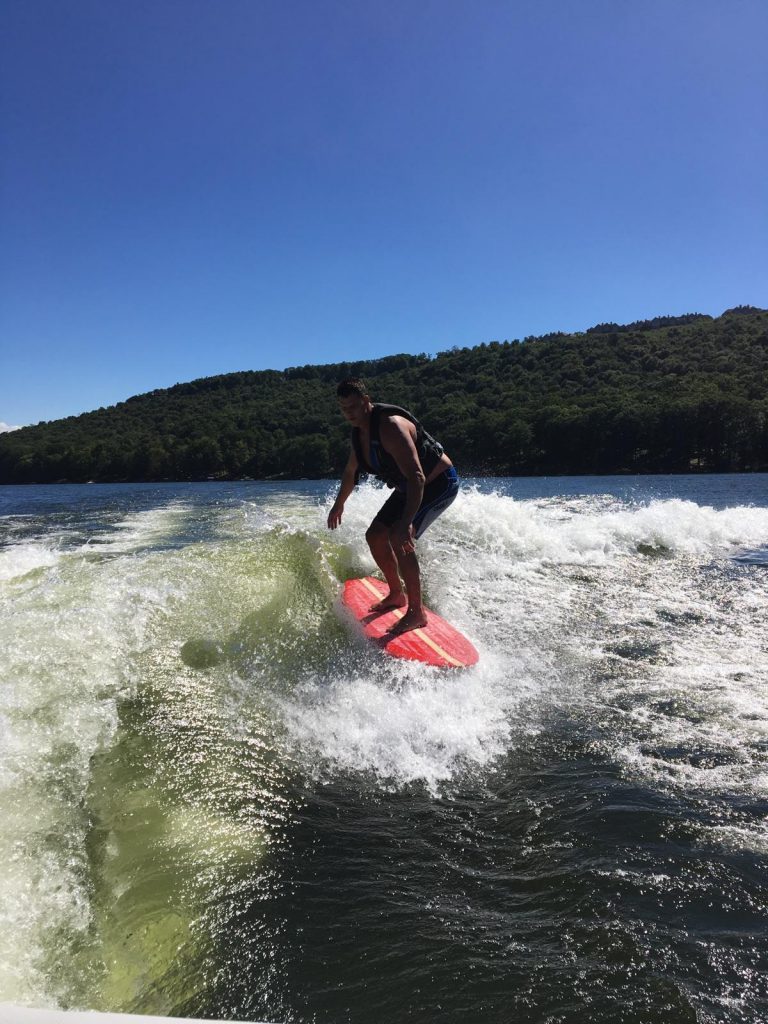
(673, 394)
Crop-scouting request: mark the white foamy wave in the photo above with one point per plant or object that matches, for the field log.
(19, 560)
(67, 650)
(291, 515)
(699, 721)
(406, 723)
(141, 530)
(751, 839)
(497, 530)
(676, 667)
(687, 528)
(573, 533)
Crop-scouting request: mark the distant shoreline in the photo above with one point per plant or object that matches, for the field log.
(335, 479)
(673, 395)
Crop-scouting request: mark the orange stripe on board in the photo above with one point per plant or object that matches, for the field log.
(373, 590)
(438, 649)
(419, 632)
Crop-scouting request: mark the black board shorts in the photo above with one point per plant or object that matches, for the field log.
(438, 495)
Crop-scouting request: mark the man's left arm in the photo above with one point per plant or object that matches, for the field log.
(397, 439)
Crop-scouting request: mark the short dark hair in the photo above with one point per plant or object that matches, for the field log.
(352, 386)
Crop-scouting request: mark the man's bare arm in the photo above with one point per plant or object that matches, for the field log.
(346, 488)
(397, 436)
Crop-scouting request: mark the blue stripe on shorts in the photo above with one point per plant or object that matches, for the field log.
(436, 503)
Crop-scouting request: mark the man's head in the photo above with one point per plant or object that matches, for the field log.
(354, 402)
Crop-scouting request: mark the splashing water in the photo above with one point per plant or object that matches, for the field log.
(182, 700)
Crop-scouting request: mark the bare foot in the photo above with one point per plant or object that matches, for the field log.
(413, 619)
(389, 602)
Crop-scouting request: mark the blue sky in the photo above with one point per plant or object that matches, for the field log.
(192, 187)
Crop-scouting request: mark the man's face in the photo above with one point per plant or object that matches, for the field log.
(353, 409)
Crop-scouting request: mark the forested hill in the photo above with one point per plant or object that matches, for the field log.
(674, 394)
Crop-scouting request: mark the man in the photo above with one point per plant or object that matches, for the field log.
(391, 443)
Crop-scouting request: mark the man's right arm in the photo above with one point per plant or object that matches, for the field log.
(347, 486)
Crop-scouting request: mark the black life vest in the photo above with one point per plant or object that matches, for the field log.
(379, 462)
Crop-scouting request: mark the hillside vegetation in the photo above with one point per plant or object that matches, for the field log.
(674, 394)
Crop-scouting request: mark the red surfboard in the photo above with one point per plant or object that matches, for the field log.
(437, 643)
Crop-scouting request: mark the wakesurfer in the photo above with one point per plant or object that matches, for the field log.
(390, 443)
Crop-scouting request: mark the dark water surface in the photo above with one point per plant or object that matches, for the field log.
(218, 802)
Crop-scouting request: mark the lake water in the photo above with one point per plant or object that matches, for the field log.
(218, 801)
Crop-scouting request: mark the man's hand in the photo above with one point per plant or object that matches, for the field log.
(334, 516)
(348, 480)
(401, 537)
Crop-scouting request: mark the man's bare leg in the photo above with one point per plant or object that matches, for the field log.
(415, 617)
(381, 549)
